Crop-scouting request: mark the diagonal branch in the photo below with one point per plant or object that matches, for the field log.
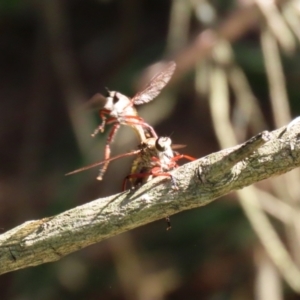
(200, 182)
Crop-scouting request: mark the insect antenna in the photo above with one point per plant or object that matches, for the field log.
(104, 161)
(107, 91)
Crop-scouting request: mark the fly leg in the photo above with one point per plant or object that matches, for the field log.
(156, 171)
(168, 220)
(135, 175)
(173, 181)
(107, 150)
(101, 127)
(180, 156)
(135, 120)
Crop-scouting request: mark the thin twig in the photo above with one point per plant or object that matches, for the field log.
(277, 25)
(231, 29)
(275, 74)
(267, 284)
(180, 16)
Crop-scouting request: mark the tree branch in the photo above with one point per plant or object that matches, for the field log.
(199, 182)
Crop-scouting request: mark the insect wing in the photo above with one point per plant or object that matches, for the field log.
(177, 146)
(96, 102)
(103, 161)
(154, 87)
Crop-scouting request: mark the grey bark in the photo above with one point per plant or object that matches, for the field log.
(200, 182)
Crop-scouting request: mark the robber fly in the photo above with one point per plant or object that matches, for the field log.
(119, 109)
(156, 158)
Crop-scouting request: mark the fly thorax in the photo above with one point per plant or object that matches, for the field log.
(118, 104)
(148, 144)
(165, 159)
(164, 152)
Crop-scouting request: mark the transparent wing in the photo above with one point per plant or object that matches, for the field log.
(96, 102)
(99, 163)
(154, 87)
(177, 146)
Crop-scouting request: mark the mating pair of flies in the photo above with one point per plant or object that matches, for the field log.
(155, 155)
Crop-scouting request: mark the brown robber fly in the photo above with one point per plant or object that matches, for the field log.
(119, 110)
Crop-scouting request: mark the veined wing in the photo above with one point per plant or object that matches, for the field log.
(154, 87)
(104, 161)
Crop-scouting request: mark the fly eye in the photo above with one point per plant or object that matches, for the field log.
(160, 144)
(115, 99)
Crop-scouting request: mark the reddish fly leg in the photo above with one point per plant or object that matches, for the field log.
(173, 181)
(135, 120)
(100, 128)
(107, 150)
(180, 156)
(156, 171)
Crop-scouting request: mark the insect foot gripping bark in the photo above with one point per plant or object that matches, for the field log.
(119, 110)
(156, 158)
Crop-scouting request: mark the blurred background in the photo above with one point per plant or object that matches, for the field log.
(237, 74)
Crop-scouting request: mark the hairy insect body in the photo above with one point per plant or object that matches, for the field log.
(155, 159)
(119, 105)
(120, 108)
(141, 165)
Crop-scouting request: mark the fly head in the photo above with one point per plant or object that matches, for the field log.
(118, 104)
